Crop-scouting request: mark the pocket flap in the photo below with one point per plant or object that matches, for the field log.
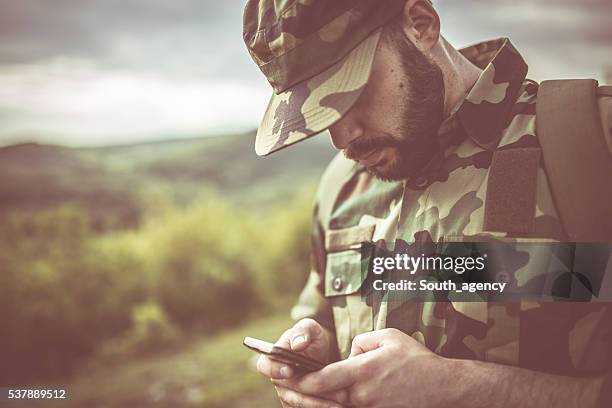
(343, 273)
(348, 238)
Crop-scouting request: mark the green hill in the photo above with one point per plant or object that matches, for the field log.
(108, 181)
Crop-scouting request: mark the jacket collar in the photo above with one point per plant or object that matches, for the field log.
(486, 110)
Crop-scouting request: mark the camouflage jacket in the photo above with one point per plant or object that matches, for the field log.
(447, 202)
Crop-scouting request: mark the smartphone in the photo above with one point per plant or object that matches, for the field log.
(283, 355)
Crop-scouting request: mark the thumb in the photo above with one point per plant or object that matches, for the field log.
(303, 333)
(364, 342)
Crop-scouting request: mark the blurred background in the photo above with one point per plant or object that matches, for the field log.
(140, 237)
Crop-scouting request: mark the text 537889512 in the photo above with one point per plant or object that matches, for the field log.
(35, 393)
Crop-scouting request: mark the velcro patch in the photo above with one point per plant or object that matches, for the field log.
(511, 191)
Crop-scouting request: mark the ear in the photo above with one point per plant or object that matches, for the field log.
(421, 24)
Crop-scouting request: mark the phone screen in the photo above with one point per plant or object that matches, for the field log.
(282, 355)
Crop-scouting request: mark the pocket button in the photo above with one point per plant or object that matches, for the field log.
(337, 283)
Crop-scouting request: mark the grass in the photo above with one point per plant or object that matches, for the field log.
(213, 373)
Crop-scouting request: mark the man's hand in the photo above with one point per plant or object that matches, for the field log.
(386, 368)
(313, 340)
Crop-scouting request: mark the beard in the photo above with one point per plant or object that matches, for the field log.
(420, 113)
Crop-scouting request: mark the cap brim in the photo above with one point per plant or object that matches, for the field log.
(314, 105)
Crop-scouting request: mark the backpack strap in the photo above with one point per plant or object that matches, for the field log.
(576, 157)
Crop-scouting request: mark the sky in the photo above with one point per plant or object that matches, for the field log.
(99, 72)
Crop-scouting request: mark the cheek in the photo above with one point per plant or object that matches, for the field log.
(381, 103)
(381, 118)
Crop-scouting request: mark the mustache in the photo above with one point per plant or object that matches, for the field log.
(363, 145)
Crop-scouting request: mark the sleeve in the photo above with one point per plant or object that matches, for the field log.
(312, 302)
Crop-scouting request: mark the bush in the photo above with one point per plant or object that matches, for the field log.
(204, 276)
(57, 301)
(281, 250)
(151, 331)
(66, 291)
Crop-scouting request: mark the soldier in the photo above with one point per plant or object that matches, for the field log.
(423, 129)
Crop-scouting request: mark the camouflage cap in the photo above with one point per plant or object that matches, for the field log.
(317, 55)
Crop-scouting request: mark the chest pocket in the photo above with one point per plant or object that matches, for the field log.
(343, 282)
(564, 338)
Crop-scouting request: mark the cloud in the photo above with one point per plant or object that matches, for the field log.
(190, 36)
(80, 104)
(558, 38)
(92, 69)
(83, 70)
(550, 21)
(80, 28)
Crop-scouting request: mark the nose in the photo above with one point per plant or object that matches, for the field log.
(345, 131)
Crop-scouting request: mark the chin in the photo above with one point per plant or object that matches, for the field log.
(384, 174)
(381, 177)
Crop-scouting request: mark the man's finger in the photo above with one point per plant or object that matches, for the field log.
(294, 399)
(303, 332)
(285, 339)
(274, 369)
(364, 342)
(340, 396)
(330, 378)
